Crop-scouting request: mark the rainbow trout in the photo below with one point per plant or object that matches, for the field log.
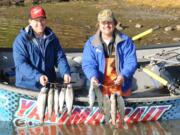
(41, 103)
(99, 96)
(91, 96)
(50, 102)
(113, 108)
(106, 108)
(56, 101)
(121, 107)
(61, 99)
(69, 99)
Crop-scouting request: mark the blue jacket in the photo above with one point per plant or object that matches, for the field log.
(31, 63)
(93, 62)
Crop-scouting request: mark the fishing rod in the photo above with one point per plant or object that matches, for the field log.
(60, 84)
(142, 34)
(45, 88)
(138, 36)
(172, 87)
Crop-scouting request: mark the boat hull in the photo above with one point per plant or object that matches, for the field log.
(22, 108)
(149, 104)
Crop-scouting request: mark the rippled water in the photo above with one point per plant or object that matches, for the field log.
(146, 128)
(68, 35)
(8, 31)
(71, 32)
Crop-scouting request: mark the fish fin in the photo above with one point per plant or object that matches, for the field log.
(69, 114)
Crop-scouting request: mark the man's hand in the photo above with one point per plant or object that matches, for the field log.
(119, 80)
(94, 80)
(67, 78)
(43, 80)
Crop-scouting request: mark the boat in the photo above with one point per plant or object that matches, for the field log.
(150, 100)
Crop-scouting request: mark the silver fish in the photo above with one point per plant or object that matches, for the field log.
(113, 108)
(78, 59)
(121, 107)
(56, 101)
(50, 102)
(106, 108)
(99, 96)
(69, 99)
(91, 95)
(41, 103)
(61, 99)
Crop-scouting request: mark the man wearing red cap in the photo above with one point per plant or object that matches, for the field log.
(36, 51)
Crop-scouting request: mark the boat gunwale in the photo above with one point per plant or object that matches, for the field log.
(85, 99)
(79, 50)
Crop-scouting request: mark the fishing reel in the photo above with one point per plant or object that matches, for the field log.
(174, 88)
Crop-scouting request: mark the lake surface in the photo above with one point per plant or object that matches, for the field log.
(146, 128)
(74, 22)
(71, 31)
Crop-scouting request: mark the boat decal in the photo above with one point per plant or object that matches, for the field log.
(3, 101)
(136, 114)
(80, 114)
(25, 106)
(146, 113)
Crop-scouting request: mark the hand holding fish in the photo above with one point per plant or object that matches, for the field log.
(67, 78)
(119, 80)
(41, 104)
(43, 80)
(94, 80)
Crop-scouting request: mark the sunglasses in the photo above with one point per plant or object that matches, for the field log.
(107, 22)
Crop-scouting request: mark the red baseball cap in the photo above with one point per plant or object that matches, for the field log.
(37, 12)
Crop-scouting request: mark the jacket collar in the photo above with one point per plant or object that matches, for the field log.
(97, 41)
(48, 33)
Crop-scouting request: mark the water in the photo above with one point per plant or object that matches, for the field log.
(73, 22)
(146, 128)
(8, 29)
(69, 30)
